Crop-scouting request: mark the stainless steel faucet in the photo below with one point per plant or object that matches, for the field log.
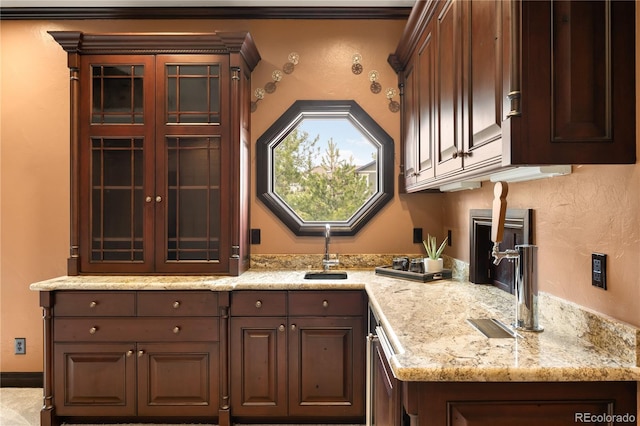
(525, 256)
(327, 262)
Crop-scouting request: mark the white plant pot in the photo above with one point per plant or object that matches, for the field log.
(433, 265)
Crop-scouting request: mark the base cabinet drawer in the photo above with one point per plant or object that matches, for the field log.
(179, 329)
(95, 303)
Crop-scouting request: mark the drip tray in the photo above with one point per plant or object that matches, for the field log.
(492, 328)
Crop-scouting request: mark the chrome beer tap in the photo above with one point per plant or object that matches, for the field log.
(525, 256)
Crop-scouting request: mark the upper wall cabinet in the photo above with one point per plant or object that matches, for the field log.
(492, 85)
(159, 152)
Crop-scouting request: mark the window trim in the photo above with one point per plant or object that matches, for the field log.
(266, 143)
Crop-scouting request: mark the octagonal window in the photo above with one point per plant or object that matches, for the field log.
(325, 162)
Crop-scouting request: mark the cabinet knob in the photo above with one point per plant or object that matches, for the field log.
(158, 199)
(129, 353)
(140, 353)
(325, 304)
(148, 199)
(258, 304)
(176, 330)
(293, 327)
(93, 330)
(176, 304)
(93, 304)
(281, 327)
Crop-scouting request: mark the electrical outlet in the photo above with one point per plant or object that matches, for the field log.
(599, 270)
(255, 236)
(20, 346)
(417, 235)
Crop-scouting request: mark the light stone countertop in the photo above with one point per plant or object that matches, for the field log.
(427, 326)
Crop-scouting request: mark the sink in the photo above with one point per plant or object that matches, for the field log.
(325, 275)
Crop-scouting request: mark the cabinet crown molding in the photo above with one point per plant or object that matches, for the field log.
(148, 43)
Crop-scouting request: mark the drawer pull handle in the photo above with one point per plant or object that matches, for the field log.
(176, 305)
(281, 328)
(140, 353)
(93, 304)
(325, 304)
(129, 353)
(293, 327)
(461, 154)
(93, 330)
(176, 330)
(259, 304)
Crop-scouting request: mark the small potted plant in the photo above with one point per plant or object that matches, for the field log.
(433, 262)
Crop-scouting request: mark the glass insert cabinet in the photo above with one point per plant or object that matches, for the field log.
(160, 148)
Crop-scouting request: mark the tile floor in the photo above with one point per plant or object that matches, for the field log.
(21, 407)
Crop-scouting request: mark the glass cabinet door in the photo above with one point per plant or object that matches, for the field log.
(189, 133)
(116, 143)
(152, 164)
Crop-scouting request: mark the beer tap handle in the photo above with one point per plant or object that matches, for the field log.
(499, 212)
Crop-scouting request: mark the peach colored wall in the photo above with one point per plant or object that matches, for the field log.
(34, 155)
(34, 170)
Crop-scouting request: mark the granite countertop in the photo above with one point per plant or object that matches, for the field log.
(426, 323)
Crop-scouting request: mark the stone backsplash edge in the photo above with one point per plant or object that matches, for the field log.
(613, 336)
(459, 269)
(609, 334)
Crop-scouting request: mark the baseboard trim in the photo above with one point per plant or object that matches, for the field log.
(21, 380)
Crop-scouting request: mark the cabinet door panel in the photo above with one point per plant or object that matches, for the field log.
(178, 379)
(326, 368)
(95, 379)
(579, 110)
(410, 112)
(190, 174)
(483, 65)
(535, 413)
(258, 367)
(426, 105)
(386, 391)
(448, 90)
(116, 145)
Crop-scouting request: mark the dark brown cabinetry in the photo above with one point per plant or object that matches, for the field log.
(160, 151)
(387, 404)
(132, 354)
(549, 404)
(497, 84)
(297, 354)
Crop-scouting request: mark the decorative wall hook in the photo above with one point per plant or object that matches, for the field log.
(375, 86)
(373, 78)
(356, 68)
(394, 106)
(293, 61)
(276, 76)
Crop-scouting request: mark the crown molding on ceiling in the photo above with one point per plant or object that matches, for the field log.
(194, 12)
